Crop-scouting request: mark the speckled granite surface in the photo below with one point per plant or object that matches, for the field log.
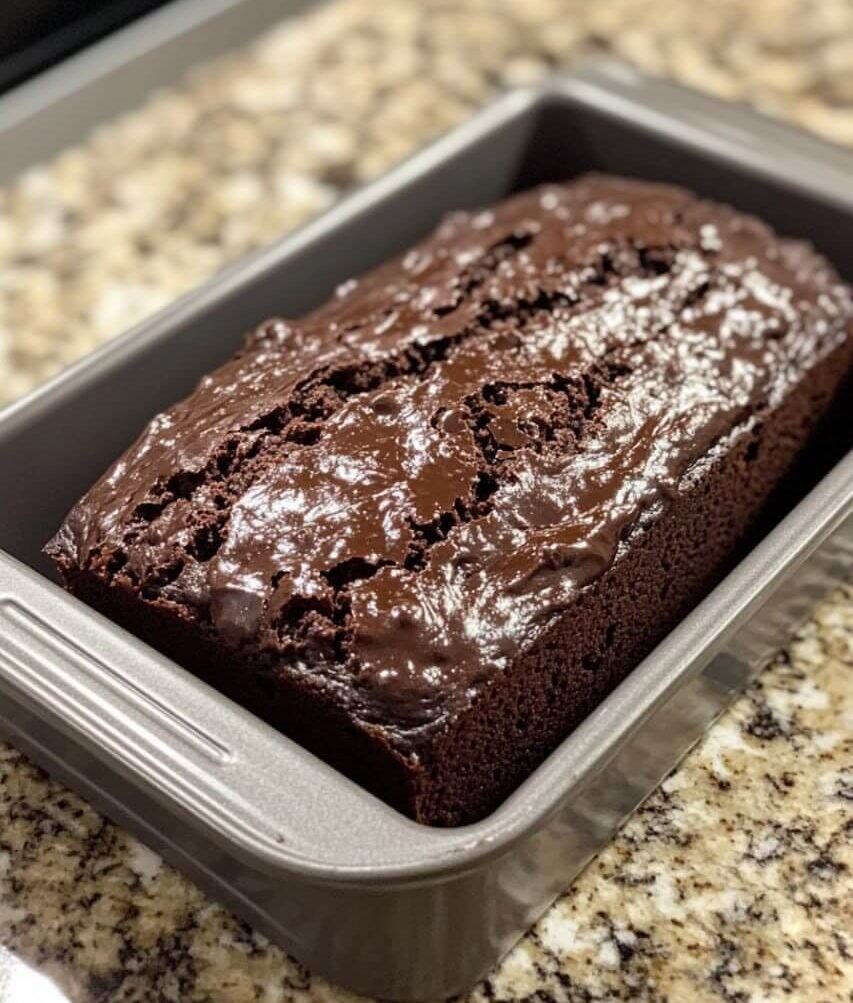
(734, 881)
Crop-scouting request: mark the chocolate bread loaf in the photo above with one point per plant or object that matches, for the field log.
(427, 528)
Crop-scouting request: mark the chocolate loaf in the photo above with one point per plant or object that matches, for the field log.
(427, 528)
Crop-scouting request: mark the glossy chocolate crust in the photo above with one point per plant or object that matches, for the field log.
(425, 529)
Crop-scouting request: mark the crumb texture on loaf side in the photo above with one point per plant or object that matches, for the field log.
(420, 527)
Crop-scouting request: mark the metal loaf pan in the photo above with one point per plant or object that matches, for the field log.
(356, 891)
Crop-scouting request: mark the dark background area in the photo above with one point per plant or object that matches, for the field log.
(35, 34)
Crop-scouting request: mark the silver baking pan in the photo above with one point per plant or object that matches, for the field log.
(353, 889)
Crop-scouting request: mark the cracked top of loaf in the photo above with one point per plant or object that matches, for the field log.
(397, 493)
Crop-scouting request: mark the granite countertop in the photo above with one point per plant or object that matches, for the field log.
(733, 882)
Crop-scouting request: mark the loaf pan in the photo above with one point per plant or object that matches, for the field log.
(353, 889)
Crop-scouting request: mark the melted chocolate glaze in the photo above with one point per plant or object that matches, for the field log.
(398, 493)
